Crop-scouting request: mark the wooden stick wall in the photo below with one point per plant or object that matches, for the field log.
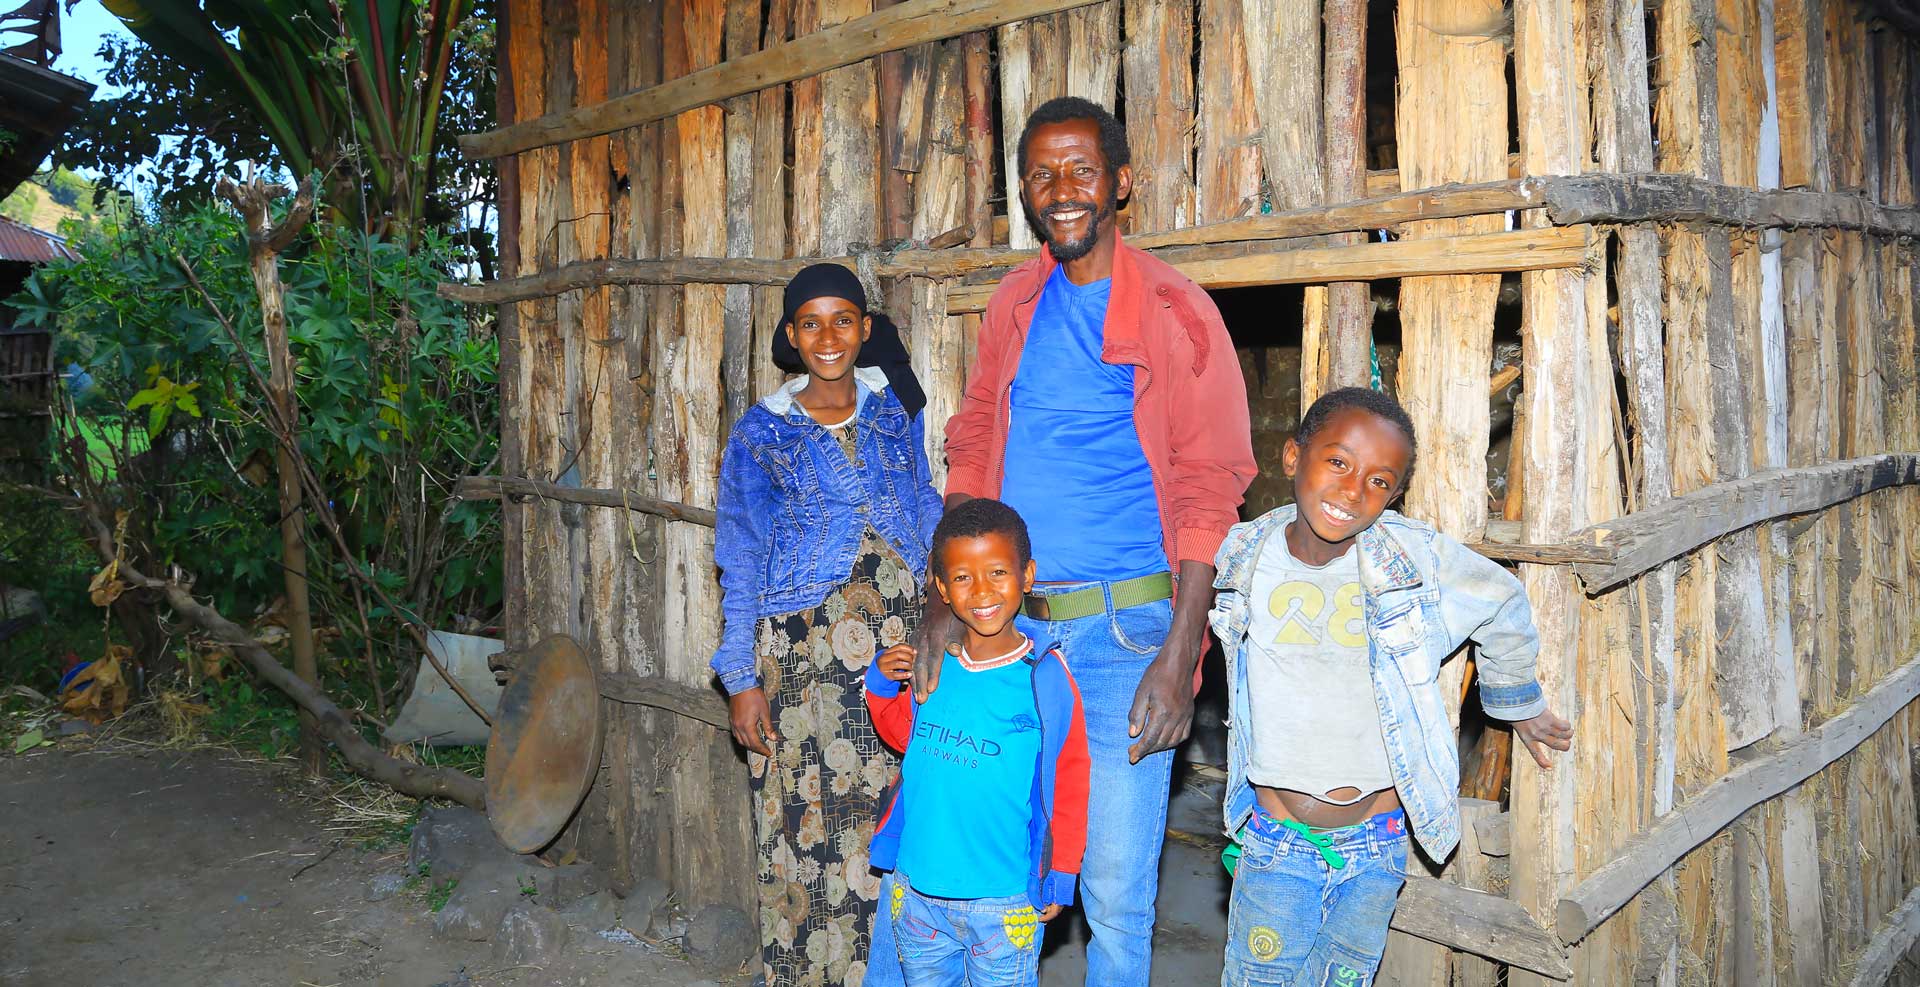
(1768, 330)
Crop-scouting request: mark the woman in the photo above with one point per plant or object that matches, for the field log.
(826, 508)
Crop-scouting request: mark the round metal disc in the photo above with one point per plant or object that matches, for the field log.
(544, 748)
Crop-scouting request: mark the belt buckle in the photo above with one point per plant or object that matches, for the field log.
(1035, 606)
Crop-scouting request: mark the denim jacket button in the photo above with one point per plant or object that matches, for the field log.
(862, 509)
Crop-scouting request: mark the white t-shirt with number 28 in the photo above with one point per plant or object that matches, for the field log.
(1316, 727)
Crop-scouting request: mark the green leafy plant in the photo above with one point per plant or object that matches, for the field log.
(438, 894)
(161, 398)
(528, 888)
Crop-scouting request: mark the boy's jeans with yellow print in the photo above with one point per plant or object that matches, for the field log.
(976, 942)
(1307, 914)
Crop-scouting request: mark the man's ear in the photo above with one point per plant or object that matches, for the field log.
(1026, 578)
(1123, 183)
(1290, 458)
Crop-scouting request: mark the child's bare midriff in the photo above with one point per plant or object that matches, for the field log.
(1319, 813)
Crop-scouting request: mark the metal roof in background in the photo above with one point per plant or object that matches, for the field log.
(25, 244)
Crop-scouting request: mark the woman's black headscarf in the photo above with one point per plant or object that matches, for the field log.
(882, 349)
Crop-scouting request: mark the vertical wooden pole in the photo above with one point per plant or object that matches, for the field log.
(938, 341)
(1557, 362)
(1451, 124)
(1072, 53)
(1800, 73)
(849, 196)
(769, 207)
(742, 32)
(1227, 172)
(977, 80)
(513, 44)
(1283, 45)
(254, 202)
(1349, 322)
(1623, 128)
(1158, 61)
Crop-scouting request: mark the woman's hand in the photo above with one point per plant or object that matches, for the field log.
(1544, 731)
(753, 721)
(1052, 912)
(896, 663)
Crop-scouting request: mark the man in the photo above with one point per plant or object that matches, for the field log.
(1107, 407)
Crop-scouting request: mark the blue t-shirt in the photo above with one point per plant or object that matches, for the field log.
(1074, 467)
(966, 784)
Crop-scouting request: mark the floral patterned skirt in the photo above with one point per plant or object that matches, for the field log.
(816, 799)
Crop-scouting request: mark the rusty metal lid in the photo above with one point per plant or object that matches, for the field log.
(544, 748)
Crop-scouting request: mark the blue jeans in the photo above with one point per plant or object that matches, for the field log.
(951, 942)
(883, 959)
(1294, 920)
(1126, 803)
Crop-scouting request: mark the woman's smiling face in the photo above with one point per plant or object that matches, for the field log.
(828, 332)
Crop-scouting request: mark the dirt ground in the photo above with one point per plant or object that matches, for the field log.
(123, 867)
(163, 868)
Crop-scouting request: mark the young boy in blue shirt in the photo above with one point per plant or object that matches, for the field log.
(985, 831)
(1335, 614)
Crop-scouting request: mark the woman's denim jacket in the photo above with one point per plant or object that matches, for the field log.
(1425, 595)
(792, 509)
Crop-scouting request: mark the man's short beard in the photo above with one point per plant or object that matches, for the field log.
(1075, 249)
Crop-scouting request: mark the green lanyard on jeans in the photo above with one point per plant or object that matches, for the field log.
(1230, 857)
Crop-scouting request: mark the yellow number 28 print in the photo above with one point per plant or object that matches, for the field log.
(1300, 605)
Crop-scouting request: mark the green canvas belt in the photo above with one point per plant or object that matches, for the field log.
(1074, 604)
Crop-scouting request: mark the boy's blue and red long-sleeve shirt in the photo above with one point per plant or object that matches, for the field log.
(1057, 826)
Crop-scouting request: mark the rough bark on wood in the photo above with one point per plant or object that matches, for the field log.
(1650, 537)
(265, 240)
(1557, 364)
(1717, 805)
(1482, 924)
(1349, 318)
(1158, 62)
(1520, 250)
(839, 43)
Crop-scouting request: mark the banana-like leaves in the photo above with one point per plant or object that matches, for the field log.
(331, 80)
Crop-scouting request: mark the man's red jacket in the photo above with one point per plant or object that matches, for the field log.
(1189, 399)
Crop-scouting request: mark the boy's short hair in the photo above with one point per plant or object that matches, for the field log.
(977, 518)
(1366, 399)
(1113, 136)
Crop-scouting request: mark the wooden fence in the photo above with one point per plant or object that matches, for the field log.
(1709, 204)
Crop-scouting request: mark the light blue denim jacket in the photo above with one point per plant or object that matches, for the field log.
(791, 509)
(1425, 595)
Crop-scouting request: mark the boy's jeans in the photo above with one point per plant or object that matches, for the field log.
(1295, 919)
(1126, 803)
(950, 942)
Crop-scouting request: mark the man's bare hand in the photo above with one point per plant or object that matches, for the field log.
(1162, 714)
(752, 721)
(1051, 912)
(1545, 731)
(939, 630)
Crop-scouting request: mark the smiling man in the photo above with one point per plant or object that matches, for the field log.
(1107, 407)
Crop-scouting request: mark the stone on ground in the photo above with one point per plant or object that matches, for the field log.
(451, 840)
(720, 938)
(530, 934)
(480, 901)
(641, 901)
(596, 912)
(386, 885)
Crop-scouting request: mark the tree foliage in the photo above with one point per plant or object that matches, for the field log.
(397, 396)
(367, 94)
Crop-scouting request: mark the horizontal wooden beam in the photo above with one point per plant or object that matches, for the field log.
(692, 702)
(1896, 935)
(496, 487)
(1666, 198)
(1385, 212)
(1484, 253)
(1655, 850)
(1480, 923)
(1504, 541)
(1644, 539)
(895, 28)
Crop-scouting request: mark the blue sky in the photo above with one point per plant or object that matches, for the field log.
(80, 32)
